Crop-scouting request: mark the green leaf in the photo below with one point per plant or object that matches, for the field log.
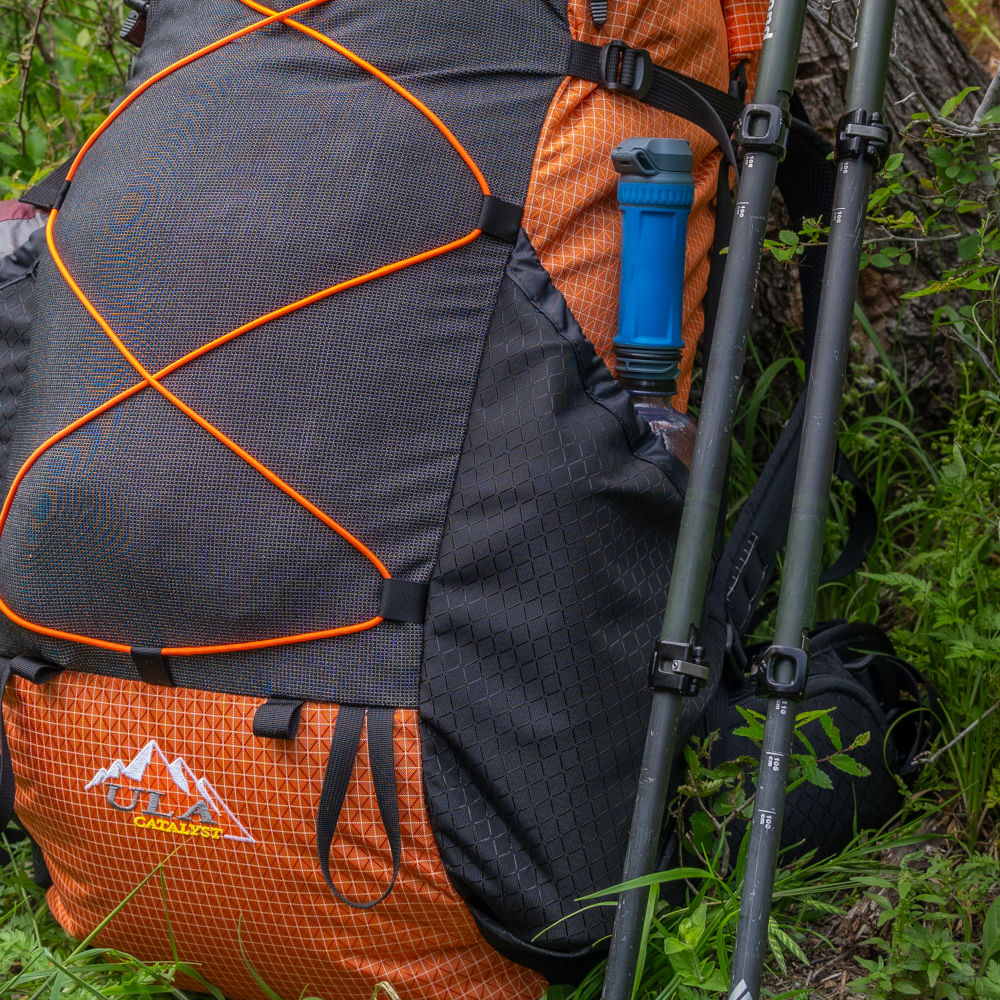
(991, 932)
(842, 762)
(992, 117)
(953, 102)
(893, 163)
(819, 778)
(969, 246)
(789, 238)
(881, 260)
(831, 730)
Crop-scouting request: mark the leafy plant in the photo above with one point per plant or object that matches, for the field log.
(944, 933)
(64, 63)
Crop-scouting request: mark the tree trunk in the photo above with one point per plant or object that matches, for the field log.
(925, 43)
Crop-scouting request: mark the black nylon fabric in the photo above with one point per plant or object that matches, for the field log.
(542, 613)
(263, 172)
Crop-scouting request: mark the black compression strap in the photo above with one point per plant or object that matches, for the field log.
(403, 601)
(500, 219)
(50, 191)
(712, 110)
(152, 666)
(277, 719)
(6, 770)
(340, 767)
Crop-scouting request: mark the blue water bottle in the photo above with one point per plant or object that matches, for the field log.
(655, 193)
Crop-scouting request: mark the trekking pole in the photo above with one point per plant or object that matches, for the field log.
(861, 145)
(677, 667)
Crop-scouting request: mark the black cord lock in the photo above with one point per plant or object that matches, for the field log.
(862, 135)
(773, 139)
(762, 671)
(626, 70)
(677, 666)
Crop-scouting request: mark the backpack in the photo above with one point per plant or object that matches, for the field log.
(347, 617)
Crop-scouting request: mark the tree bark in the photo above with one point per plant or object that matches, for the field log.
(930, 65)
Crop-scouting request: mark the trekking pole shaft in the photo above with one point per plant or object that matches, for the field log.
(703, 499)
(800, 577)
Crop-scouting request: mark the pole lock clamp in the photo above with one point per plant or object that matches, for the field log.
(626, 70)
(762, 670)
(862, 135)
(677, 666)
(774, 137)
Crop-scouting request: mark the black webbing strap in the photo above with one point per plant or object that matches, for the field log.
(403, 600)
(500, 219)
(340, 767)
(152, 666)
(51, 189)
(36, 671)
(6, 769)
(630, 72)
(278, 719)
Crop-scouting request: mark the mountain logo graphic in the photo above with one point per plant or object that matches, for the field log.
(167, 796)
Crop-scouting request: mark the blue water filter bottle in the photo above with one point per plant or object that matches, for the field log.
(655, 193)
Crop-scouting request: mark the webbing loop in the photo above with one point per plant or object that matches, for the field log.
(340, 766)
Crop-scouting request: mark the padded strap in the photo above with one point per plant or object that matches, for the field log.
(909, 701)
(340, 767)
(630, 72)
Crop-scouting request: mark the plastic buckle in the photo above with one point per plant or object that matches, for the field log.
(133, 30)
(614, 55)
(762, 671)
(862, 135)
(677, 666)
(775, 137)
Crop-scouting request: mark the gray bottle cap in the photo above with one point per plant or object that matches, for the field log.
(657, 160)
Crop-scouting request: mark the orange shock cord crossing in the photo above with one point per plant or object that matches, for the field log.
(153, 380)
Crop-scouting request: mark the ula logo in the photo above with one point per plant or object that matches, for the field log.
(167, 796)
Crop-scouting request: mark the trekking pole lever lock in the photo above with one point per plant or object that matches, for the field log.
(773, 138)
(677, 666)
(762, 670)
(862, 135)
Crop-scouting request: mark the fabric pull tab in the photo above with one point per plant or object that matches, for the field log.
(599, 12)
(6, 769)
(152, 666)
(403, 601)
(277, 719)
(340, 767)
(500, 219)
